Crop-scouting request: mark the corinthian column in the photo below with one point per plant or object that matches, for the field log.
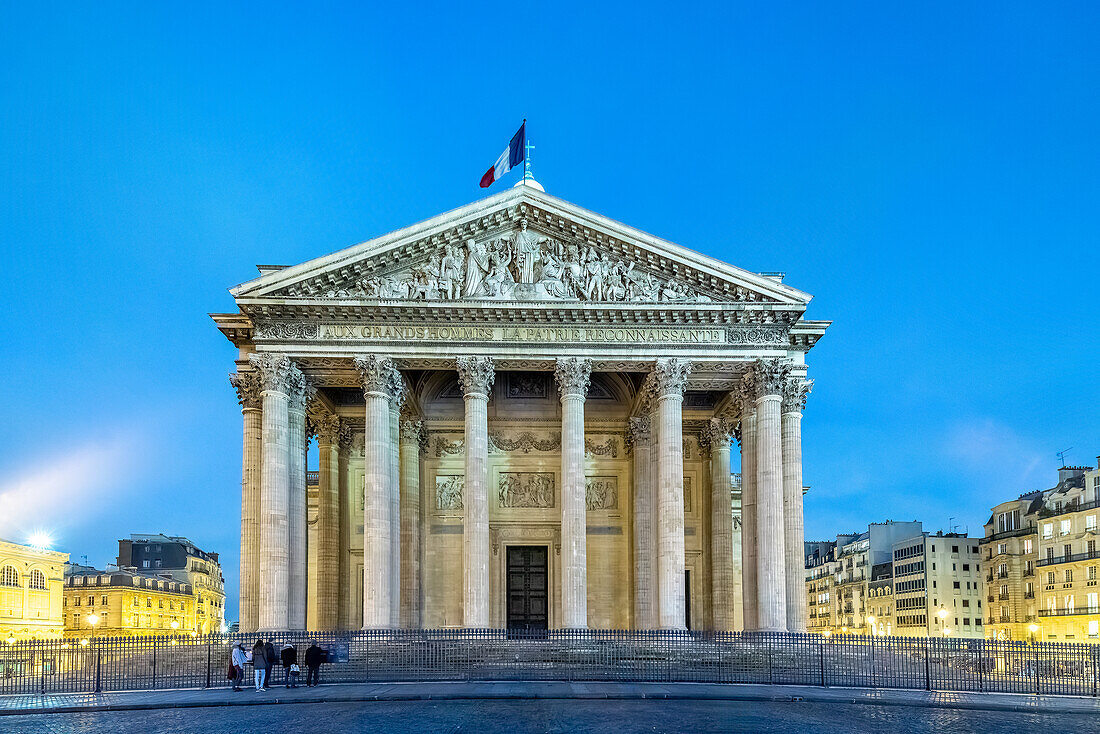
(572, 375)
(399, 393)
(378, 375)
(671, 379)
(326, 605)
(475, 374)
(299, 396)
(410, 523)
(249, 388)
(771, 602)
(273, 612)
(794, 401)
(721, 524)
(645, 608)
(746, 394)
(343, 518)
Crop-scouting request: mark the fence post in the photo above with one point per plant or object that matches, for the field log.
(154, 663)
(981, 664)
(207, 662)
(927, 663)
(98, 661)
(42, 667)
(821, 661)
(1038, 687)
(1095, 674)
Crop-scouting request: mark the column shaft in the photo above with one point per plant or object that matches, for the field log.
(248, 389)
(749, 590)
(410, 524)
(327, 600)
(671, 379)
(645, 616)
(395, 513)
(343, 519)
(572, 375)
(721, 534)
(296, 513)
(794, 396)
(377, 374)
(476, 377)
(771, 602)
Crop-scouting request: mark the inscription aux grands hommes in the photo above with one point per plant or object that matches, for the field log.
(298, 331)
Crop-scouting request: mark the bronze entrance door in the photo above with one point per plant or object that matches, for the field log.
(527, 587)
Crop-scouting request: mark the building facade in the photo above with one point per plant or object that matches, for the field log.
(180, 559)
(524, 415)
(121, 603)
(31, 580)
(1040, 560)
(895, 579)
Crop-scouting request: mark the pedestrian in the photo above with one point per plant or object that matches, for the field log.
(289, 658)
(269, 661)
(259, 664)
(314, 657)
(237, 660)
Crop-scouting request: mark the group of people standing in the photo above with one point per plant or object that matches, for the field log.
(263, 659)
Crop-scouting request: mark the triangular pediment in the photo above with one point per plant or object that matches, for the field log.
(519, 245)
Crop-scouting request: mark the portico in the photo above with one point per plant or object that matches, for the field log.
(514, 394)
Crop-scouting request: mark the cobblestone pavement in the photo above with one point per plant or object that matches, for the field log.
(511, 716)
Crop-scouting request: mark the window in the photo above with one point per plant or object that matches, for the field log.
(104, 600)
(1094, 628)
(1066, 527)
(1050, 553)
(1027, 545)
(1067, 550)
(1090, 522)
(1092, 573)
(91, 601)
(1050, 577)
(1004, 589)
(37, 580)
(1069, 603)
(1048, 530)
(1093, 601)
(76, 601)
(1052, 604)
(954, 549)
(9, 577)
(966, 621)
(956, 585)
(145, 563)
(1068, 575)
(966, 566)
(966, 603)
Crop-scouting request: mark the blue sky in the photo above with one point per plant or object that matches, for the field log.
(928, 171)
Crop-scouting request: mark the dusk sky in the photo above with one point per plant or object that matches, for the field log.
(929, 172)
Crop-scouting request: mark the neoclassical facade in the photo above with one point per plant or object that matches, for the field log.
(524, 415)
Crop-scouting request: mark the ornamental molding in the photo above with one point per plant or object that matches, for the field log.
(609, 448)
(443, 447)
(773, 336)
(449, 491)
(525, 442)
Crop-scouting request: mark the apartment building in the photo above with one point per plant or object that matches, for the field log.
(1040, 561)
(177, 558)
(896, 579)
(113, 603)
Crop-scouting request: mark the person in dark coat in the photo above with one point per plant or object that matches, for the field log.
(259, 664)
(269, 659)
(314, 657)
(289, 658)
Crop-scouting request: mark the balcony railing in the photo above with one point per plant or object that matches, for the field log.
(1055, 560)
(1068, 612)
(1029, 530)
(1068, 509)
(1002, 597)
(1029, 594)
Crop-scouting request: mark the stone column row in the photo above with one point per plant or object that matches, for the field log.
(326, 606)
(771, 513)
(573, 376)
(718, 434)
(475, 376)
(249, 394)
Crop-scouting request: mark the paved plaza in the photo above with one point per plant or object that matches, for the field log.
(557, 715)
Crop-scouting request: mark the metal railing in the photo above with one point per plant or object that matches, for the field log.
(1077, 611)
(1055, 560)
(485, 655)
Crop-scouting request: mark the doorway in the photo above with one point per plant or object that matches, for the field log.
(527, 587)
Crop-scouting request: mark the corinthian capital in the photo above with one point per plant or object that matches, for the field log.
(639, 432)
(344, 437)
(475, 374)
(248, 386)
(299, 390)
(573, 375)
(769, 376)
(795, 391)
(411, 430)
(400, 389)
(274, 370)
(326, 426)
(378, 374)
(717, 433)
(671, 375)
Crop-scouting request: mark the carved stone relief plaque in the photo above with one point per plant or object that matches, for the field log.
(448, 492)
(526, 489)
(687, 495)
(601, 493)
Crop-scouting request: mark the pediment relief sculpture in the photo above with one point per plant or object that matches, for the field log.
(524, 266)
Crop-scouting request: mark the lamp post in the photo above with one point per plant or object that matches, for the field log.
(93, 619)
(871, 621)
(942, 614)
(1033, 629)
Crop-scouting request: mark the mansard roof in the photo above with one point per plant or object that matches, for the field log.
(330, 276)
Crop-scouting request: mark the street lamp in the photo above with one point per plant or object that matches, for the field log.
(871, 621)
(946, 631)
(1033, 628)
(175, 625)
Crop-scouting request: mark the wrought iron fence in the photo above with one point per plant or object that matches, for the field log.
(145, 663)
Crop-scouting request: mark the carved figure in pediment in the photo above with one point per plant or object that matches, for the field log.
(426, 280)
(499, 281)
(451, 272)
(554, 276)
(528, 255)
(477, 268)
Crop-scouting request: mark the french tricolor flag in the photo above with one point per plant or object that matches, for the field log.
(510, 158)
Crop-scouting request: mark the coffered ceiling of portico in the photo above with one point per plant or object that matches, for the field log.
(522, 251)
